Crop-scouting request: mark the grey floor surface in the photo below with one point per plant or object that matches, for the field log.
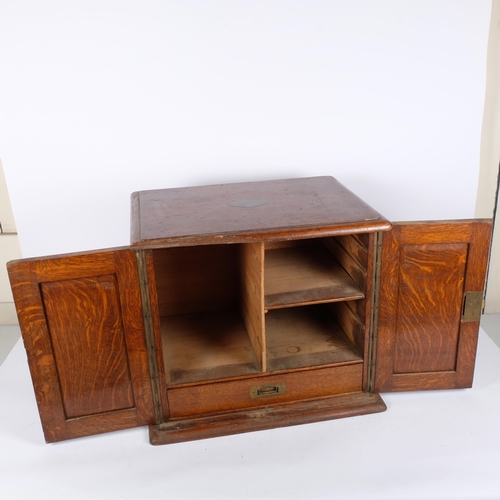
(9, 335)
(490, 323)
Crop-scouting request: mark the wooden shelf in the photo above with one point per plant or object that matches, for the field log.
(306, 336)
(206, 346)
(305, 275)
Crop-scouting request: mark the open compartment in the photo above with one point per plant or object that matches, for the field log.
(313, 271)
(209, 320)
(241, 309)
(305, 336)
(315, 301)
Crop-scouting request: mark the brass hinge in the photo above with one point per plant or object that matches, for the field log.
(473, 307)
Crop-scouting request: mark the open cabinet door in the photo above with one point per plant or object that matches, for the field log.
(83, 330)
(431, 290)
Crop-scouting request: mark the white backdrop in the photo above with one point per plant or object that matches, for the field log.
(99, 98)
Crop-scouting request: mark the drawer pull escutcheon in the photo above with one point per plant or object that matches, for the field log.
(261, 391)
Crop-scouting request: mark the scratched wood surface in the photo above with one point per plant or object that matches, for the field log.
(241, 212)
(246, 420)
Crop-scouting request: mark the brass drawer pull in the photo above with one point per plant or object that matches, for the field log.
(260, 391)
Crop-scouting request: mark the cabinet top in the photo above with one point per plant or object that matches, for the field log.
(249, 211)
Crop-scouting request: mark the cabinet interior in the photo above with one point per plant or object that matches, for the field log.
(242, 309)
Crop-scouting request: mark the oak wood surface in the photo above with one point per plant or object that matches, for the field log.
(240, 212)
(353, 246)
(88, 364)
(354, 267)
(367, 310)
(205, 346)
(161, 379)
(305, 275)
(188, 429)
(306, 336)
(423, 343)
(232, 395)
(252, 297)
(196, 279)
(350, 322)
(84, 311)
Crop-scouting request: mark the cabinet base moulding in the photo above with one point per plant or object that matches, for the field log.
(202, 427)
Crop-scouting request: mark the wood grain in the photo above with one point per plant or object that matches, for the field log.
(104, 307)
(87, 336)
(306, 336)
(305, 275)
(426, 270)
(350, 322)
(428, 316)
(232, 395)
(354, 247)
(252, 297)
(196, 279)
(355, 268)
(212, 214)
(155, 320)
(301, 412)
(205, 346)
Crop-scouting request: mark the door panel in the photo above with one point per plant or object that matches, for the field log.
(75, 310)
(424, 341)
(82, 324)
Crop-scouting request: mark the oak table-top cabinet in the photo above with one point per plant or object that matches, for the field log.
(249, 306)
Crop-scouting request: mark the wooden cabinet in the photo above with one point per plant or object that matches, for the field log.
(249, 306)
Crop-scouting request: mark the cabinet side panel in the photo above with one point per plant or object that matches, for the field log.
(87, 336)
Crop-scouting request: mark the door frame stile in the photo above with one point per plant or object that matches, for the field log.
(149, 334)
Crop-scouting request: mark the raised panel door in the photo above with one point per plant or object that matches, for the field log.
(425, 339)
(82, 325)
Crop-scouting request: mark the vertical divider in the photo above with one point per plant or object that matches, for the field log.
(252, 297)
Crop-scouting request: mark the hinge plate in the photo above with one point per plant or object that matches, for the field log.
(473, 307)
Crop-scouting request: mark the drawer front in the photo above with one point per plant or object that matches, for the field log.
(264, 390)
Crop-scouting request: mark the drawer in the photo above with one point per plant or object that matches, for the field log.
(264, 390)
